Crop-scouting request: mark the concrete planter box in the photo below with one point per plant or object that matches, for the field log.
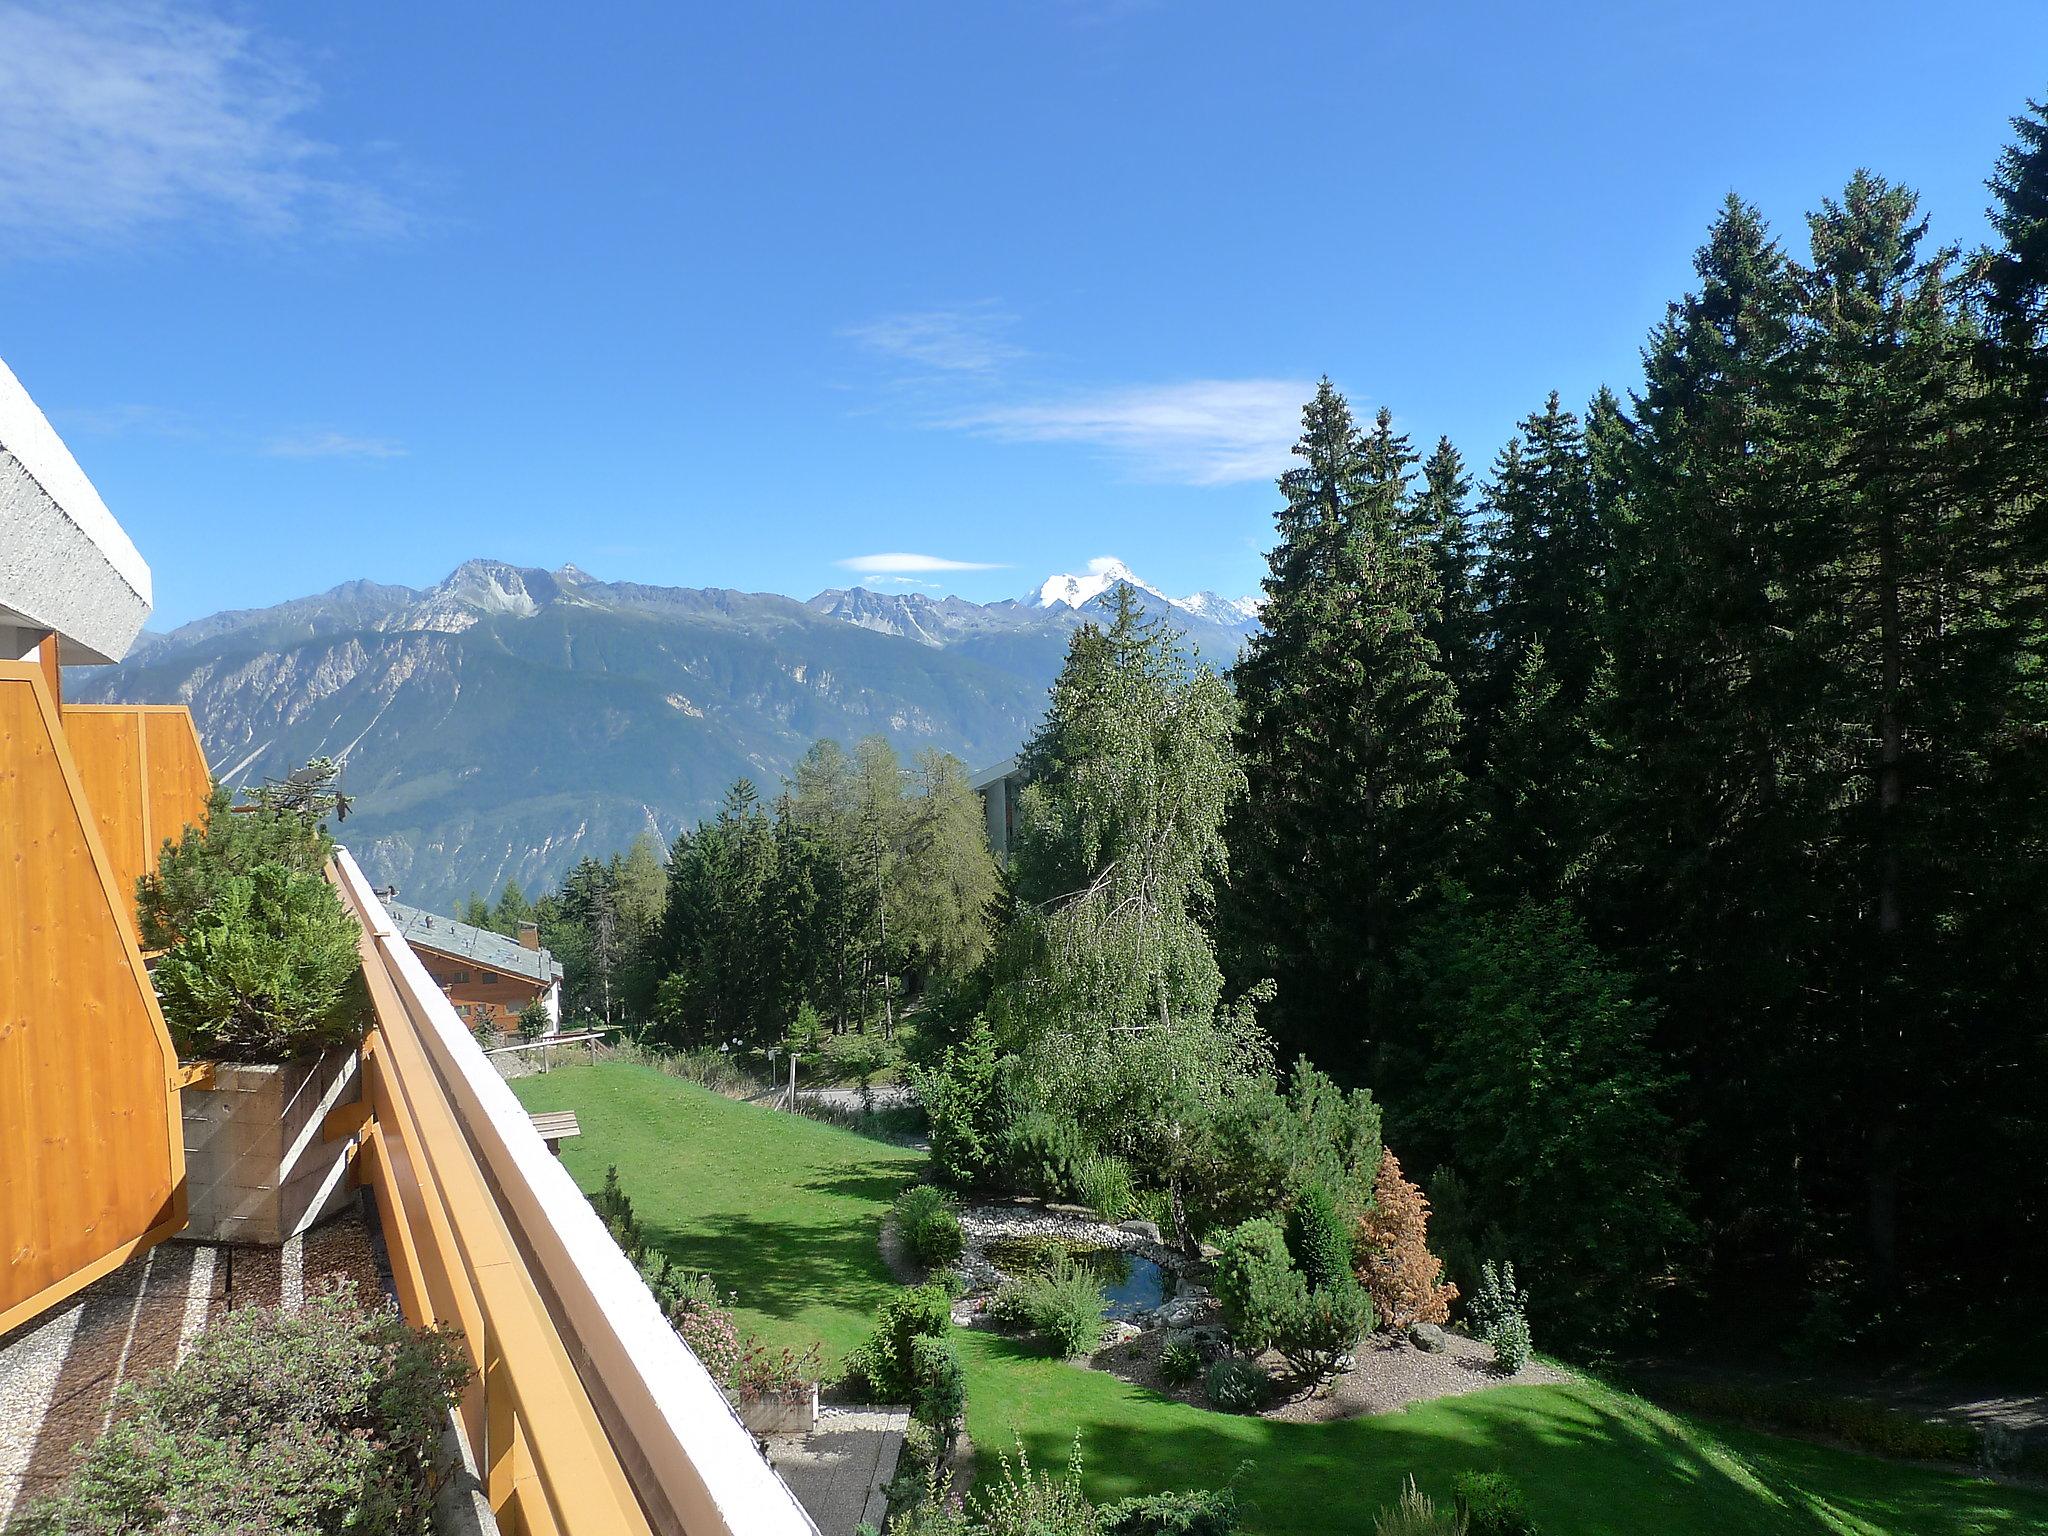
(776, 1414)
(256, 1168)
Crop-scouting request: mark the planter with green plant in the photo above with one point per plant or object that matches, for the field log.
(260, 975)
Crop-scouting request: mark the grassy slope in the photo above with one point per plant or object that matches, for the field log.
(785, 1211)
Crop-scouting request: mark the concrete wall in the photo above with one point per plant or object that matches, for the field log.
(65, 564)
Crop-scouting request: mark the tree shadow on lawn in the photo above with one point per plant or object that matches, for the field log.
(781, 1268)
(1590, 1462)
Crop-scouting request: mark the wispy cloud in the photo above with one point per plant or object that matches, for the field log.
(333, 445)
(902, 564)
(1198, 432)
(130, 421)
(968, 339)
(121, 115)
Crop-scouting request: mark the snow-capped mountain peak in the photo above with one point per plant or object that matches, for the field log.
(1104, 572)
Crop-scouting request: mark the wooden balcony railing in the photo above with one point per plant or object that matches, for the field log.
(588, 1414)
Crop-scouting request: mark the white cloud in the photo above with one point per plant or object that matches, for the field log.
(333, 445)
(900, 564)
(120, 115)
(1199, 432)
(964, 340)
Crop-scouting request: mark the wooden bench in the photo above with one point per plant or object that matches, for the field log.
(556, 1127)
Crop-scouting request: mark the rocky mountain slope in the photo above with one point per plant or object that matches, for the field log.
(507, 721)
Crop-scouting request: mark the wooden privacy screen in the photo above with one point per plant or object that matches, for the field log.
(92, 1157)
(145, 778)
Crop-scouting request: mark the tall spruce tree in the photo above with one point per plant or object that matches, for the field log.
(1348, 729)
(1443, 516)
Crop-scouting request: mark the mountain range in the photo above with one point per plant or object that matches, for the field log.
(506, 721)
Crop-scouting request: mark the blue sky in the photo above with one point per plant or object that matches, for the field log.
(730, 295)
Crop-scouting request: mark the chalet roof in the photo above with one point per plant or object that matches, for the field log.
(465, 941)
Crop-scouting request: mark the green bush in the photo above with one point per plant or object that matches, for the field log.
(928, 1222)
(1491, 1504)
(1063, 1304)
(1195, 1512)
(327, 1419)
(1416, 1514)
(1319, 1239)
(1499, 1313)
(267, 971)
(1104, 1185)
(534, 1020)
(1180, 1361)
(1043, 1154)
(1317, 1327)
(962, 1098)
(938, 1386)
(887, 1361)
(1236, 1385)
(1256, 1284)
(191, 872)
(1508, 1337)
(1855, 1421)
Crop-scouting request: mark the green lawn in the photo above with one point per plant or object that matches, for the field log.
(785, 1211)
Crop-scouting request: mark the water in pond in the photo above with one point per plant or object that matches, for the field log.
(1131, 1283)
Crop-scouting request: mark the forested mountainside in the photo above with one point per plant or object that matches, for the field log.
(507, 721)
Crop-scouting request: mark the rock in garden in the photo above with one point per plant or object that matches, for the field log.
(1149, 1230)
(1427, 1337)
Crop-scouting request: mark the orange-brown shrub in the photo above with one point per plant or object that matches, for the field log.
(1404, 1279)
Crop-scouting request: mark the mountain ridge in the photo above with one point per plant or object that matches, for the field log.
(508, 720)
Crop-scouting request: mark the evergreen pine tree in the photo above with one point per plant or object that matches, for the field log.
(1347, 730)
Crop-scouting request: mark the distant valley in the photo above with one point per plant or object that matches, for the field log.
(505, 722)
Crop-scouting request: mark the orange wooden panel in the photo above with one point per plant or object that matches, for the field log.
(145, 778)
(92, 1161)
(179, 782)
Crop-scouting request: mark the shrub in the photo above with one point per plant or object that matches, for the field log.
(961, 1097)
(929, 1223)
(1063, 1304)
(1236, 1385)
(1180, 1361)
(1416, 1514)
(267, 971)
(1043, 1154)
(1404, 1279)
(1509, 1338)
(1499, 1313)
(615, 1210)
(1256, 1285)
(702, 1317)
(765, 1370)
(1491, 1504)
(327, 1419)
(1322, 1325)
(1495, 1297)
(1318, 1240)
(1104, 1184)
(939, 1386)
(1020, 1502)
(534, 1020)
(191, 872)
(887, 1361)
(1195, 1512)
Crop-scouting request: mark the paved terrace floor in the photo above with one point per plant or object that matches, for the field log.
(59, 1373)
